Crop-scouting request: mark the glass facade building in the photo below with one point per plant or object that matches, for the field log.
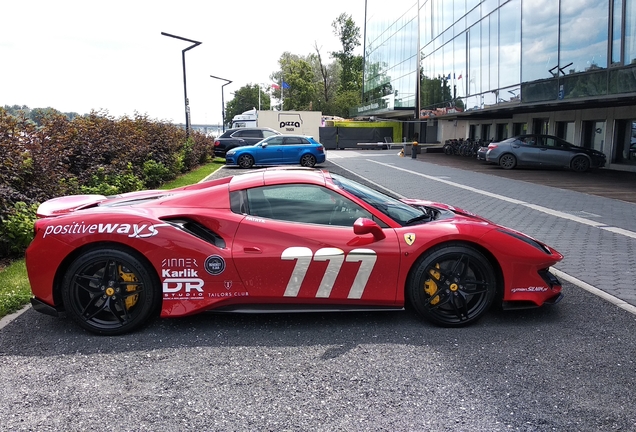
(565, 67)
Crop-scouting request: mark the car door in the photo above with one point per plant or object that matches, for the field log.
(269, 151)
(555, 152)
(286, 250)
(293, 148)
(527, 150)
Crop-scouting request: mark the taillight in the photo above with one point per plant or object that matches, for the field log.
(217, 143)
(321, 149)
(492, 146)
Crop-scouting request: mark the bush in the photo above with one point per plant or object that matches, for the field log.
(94, 153)
(16, 228)
(155, 173)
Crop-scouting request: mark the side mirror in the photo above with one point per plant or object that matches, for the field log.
(364, 226)
(264, 145)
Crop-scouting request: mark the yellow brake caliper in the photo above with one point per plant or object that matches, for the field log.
(129, 277)
(430, 286)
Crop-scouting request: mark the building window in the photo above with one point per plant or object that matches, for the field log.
(617, 32)
(539, 39)
(565, 130)
(630, 33)
(587, 50)
(594, 134)
(510, 44)
(519, 129)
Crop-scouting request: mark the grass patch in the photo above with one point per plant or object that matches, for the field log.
(15, 290)
(195, 176)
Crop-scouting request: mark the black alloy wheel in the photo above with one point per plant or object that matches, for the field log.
(308, 160)
(580, 164)
(452, 285)
(508, 161)
(110, 291)
(245, 161)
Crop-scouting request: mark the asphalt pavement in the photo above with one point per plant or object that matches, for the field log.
(568, 367)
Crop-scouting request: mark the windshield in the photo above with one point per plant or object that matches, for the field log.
(398, 211)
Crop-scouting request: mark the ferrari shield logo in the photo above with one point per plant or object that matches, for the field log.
(409, 238)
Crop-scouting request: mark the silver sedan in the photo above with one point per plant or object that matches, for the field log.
(543, 151)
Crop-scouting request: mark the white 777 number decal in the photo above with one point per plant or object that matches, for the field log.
(335, 256)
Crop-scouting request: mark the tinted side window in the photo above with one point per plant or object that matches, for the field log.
(275, 141)
(529, 140)
(295, 141)
(251, 133)
(305, 204)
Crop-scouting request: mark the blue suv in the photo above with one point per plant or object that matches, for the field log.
(278, 150)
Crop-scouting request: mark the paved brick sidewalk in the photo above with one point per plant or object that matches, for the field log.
(577, 224)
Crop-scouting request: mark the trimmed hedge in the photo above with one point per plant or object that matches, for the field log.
(95, 153)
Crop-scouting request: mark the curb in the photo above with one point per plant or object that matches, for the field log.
(8, 318)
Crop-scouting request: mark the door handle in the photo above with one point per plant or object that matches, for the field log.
(252, 249)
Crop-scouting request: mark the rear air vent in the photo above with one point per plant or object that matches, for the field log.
(198, 230)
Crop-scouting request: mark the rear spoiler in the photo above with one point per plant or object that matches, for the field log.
(67, 204)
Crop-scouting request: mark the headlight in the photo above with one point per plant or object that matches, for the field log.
(230, 153)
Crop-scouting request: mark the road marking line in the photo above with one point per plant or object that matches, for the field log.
(593, 290)
(561, 274)
(557, 213)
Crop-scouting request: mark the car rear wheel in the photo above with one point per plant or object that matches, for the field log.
(245, 161)
(110, 291)
(308, 160)
(580, 164)
(508, 161)
(452, 285)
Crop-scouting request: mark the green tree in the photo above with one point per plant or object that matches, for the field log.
(246, 98)
(326, 81)
(298, 76)
(344, 101)
(349, 34)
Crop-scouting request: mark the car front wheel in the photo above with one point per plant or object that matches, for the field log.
(110, 291)
(308, 160)
(580, 164)
(245, 161)
(452, 285)
(508, 161)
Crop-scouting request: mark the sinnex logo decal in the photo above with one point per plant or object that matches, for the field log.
(131, 230)
(180, 279)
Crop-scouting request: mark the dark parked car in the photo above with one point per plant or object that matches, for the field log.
(543, 151)
(239, 137)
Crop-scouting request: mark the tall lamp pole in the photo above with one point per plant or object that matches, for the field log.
(222, 97)
(185, 88)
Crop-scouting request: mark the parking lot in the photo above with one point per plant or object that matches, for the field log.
(566, 367)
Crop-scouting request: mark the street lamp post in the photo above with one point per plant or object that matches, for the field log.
(185, 88)
(222, 97)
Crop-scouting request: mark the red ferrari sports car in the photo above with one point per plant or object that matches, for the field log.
(283, 240)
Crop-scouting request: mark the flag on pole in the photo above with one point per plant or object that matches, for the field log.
(285, 85)
(459, 77)
(448, 77)
(275, 86)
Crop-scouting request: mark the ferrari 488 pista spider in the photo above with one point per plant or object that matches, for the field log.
(276, 240)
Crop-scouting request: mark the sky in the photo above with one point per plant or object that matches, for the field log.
(81, 55)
